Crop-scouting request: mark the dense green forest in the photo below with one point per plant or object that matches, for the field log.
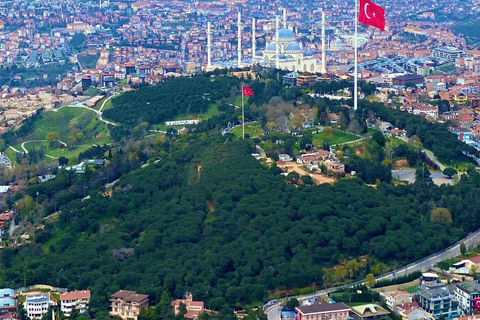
(164, 102)
(210, 219)
(198, 213)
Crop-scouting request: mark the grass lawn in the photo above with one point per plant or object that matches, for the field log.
(11, 155)
(338, 137)
(413, 289)
(253, 129)
(66, 121)
(356, 304)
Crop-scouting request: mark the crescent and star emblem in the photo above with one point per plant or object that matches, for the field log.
(365, 9)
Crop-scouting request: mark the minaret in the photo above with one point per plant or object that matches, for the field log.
(324, 65)
(209, 48)
(253, 40)
(284, 18)
(277, 45)
(239, 39)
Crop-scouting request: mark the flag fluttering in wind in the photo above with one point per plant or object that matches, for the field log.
(371, 14)
(246, 91)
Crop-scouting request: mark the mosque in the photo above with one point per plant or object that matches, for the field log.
(289, 51)
(283, 52)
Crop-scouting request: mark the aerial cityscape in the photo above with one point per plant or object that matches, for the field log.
(250, 159)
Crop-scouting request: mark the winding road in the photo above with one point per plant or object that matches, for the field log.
(273, 313)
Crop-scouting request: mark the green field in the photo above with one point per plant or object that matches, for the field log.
(66, 121)
(338, 137)
(254, 130)
(212, 111)
(413, 289)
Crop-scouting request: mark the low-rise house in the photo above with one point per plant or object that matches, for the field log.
(194, 308)
(369, 312)
(127, 304)
(335, 166)
(414, 314)
(471, 317)
(70, 300)
(394, 298)
(36, 305)
(333, 311)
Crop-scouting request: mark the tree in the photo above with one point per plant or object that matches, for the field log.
(62, 161)
(307, 180)
(352, 267)
(378, 137)
(423, 175)
(411, 85)
(292, 303)
(370, 280)
(52, 137)
(341, 272)
(463, 248)
(449, 172)
(327, 133)
(441, 216)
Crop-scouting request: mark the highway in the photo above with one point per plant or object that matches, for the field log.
(273, 312)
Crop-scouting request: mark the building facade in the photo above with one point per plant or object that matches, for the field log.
(439, 302)
(332, 311)
(465, 293)
(127, 304)
(194, 308)
(70, 300)
(36, 305)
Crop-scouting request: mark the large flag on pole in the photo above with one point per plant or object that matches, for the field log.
(246, 91)
(371, 14)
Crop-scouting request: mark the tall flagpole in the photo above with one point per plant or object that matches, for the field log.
(243, 117)
(355, 89)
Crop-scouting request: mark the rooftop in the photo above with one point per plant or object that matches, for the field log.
(320, 308)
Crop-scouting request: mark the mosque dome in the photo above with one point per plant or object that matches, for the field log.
(308, 53)
(294, 46)
(271, 47)
(285, 34)
(282, 56)
(259, 53)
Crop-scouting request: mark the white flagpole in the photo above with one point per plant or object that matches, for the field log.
(243, 117)
(355, 88)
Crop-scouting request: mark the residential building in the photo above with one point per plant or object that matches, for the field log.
(471, 317)
(194, 308)
(8, 302)
(466, 115)
(425, 110)
(335, 166)
(394, 298)
(36, 305)
(330, 311)
(439, 302)
(306, 78)
(127, 304)
(448, 53)
(414, 314)
(369, 312)
(70, 300)
(465, 293)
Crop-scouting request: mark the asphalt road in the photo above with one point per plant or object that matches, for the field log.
(409, 176)
(273, 313)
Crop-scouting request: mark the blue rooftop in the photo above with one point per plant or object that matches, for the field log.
(38, 298)
(286, 34)
(293, 47)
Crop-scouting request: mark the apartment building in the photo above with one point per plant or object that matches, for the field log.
(70, 300)
(36, 305)
(127, 304)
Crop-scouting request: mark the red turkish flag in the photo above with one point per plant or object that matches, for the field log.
(246, 91)
(476, 303)
(371, 14)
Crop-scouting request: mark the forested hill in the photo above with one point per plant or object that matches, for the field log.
(179, 96)
(210, 219)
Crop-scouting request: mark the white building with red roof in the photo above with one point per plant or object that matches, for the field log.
(78, 299)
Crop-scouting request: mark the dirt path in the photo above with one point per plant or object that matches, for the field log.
(318, 178)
